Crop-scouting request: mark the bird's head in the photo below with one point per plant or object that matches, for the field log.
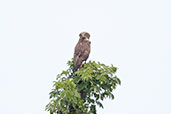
(84, 35)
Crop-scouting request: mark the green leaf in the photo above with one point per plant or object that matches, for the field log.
(79, 92)
(99, 104)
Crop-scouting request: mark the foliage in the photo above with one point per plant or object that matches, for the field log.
(79, 92)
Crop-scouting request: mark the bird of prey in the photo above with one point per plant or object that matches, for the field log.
(82, 50)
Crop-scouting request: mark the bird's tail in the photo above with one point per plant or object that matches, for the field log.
(75, 68)
(77, 63)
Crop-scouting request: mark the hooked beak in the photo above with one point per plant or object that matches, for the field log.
(83, 37)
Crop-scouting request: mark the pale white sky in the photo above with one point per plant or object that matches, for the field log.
(37, 38)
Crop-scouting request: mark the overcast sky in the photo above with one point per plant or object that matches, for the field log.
(37, 38)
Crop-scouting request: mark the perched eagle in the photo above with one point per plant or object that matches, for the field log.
(82, 50)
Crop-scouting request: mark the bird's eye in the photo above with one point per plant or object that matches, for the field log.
(88, 35)
(80, 35)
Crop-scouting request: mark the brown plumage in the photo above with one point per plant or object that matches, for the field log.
(82, 50)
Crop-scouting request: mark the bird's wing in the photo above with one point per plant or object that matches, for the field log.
(78, 50)
(85, 50)
(81, 53)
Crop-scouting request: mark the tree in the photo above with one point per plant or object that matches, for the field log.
(79, 92)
